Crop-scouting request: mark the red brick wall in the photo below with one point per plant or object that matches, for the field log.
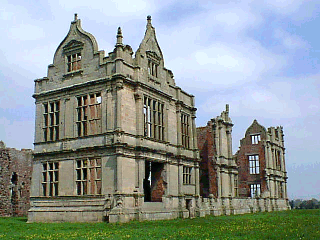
(157, 187)
(208, 174)
(246, 149)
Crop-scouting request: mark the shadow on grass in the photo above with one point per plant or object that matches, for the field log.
(22, 219)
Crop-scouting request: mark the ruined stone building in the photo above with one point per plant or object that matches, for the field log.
(115, 137)
(254, 179)
(115, 140)
(219, 171)
(261, 163)
(15, 180)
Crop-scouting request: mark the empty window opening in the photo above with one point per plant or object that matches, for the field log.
(277, 133)
(280, 189)
(74, 62)
(153, 119)
(254, 164)
(88, 176)
(89, 114)
(153, 183)
(255, 139)
(50, 179)
(14, 178)
(153, 68)
(185, 131)
(278, 160)
(255, 190)
(14, 193)
(51, 121)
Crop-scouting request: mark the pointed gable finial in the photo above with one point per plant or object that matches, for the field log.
(149, 21)
(75, 16)
(119, 36)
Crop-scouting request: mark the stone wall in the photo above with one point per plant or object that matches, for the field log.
(234, 206)
(15, 178)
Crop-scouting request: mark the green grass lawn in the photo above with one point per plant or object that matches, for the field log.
(295, 224)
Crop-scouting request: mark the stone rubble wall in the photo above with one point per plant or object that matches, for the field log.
(15, 196)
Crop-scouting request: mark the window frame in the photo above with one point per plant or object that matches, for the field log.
(153, 68)
(153, 118)
(89, 114)
(51, 120)
(278, 160)
(153, 64)
(187, 175)
(73, 61)
(185, 130)
(254, 164)
(254, 188)
(50, 178)
(255, 138)
(88, 176)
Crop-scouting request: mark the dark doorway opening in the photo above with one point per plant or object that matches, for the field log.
(153, 184)
(14, 195)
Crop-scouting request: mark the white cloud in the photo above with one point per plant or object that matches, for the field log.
(233, 18)
(223, 64)
(124, 8)
(283, 6)
(288, 40)
(254, 101)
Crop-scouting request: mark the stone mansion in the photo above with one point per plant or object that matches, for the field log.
(116, 140)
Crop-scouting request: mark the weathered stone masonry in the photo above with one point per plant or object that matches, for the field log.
(15, 181)
(252, 180)
(115, 140)
(115, 137)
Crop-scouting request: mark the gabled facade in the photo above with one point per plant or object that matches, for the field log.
(261, 160)
(115, 138)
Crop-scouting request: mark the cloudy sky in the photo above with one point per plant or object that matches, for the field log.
(261, 57)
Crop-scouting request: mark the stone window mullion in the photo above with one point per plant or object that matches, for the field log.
(187, 175)
(50, 179)
(88, 176)
(185, 131)
(153, 118)
(51, 121)
(89, 114)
